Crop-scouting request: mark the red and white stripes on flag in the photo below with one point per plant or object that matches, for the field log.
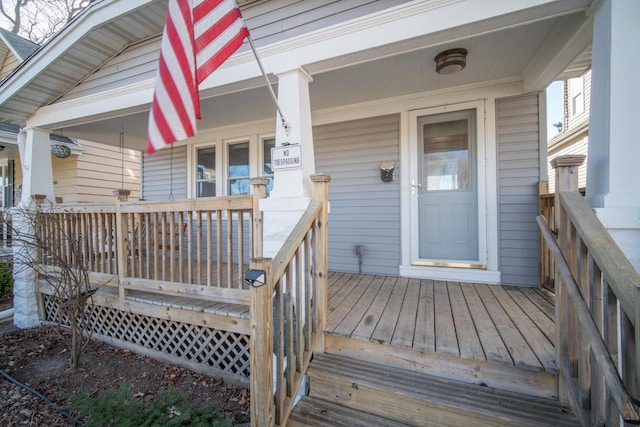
(199, 36)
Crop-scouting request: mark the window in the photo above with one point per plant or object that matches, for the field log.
(238, 169)
(267, 171)
(206, 172)
(446, 155)
(576, 96)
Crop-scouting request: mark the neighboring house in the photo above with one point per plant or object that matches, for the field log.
(574, 135)
(14, 50)
(89, 174)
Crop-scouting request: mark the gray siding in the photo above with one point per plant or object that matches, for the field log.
(518, 176)
(364, 210)
(268, 21)
(157, 177)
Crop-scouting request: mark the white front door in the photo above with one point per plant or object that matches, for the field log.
(447, 187)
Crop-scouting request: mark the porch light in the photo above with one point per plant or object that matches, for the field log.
(60, 150)
(451, 61)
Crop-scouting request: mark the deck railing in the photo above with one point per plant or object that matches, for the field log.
(288, 313)
(179, 246)
(198, 248)
(597, 308)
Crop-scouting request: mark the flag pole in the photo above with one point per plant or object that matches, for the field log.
(285, 125)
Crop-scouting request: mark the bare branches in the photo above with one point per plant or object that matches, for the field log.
(50, 243)
(39, 20)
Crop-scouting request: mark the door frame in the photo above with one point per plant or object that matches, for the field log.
(487, 205)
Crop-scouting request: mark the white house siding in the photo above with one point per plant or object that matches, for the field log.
(268, 21)
(158, 181)
(571, 147)
(92, 176)
(364, 210)
(574, 137)
(518, 176)
(10, 63)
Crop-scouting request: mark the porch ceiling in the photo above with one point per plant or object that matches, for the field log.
(399, 70)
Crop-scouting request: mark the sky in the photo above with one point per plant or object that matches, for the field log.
(554, 108)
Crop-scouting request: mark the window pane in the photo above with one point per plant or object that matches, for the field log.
(206, 189)
(268, 144)
(446, 156)
(206, 172)
(267, 171)
(238, 173)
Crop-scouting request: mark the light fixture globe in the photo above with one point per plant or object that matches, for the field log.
(61, 151)
(451, 61)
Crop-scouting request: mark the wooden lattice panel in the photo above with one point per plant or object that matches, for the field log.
(219, 349)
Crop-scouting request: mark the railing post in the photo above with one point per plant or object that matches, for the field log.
(566, 169)
(259, 192)
(122, 235)
(261, 343)
(321, 192)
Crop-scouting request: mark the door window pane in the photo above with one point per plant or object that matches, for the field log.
(238, 173)
(446, 156)
(206, 173)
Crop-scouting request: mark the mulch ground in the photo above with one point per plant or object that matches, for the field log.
(40, 358)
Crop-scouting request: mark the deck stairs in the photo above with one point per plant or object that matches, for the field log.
(345, 391)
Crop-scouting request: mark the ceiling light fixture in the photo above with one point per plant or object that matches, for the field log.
(451, 61)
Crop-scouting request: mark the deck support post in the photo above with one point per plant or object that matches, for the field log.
(122, 237)
(259, 186)
(566, 169)
(261, 345)
(321, 192)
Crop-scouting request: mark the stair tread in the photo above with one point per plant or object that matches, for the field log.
(315, 412)
(440, 392)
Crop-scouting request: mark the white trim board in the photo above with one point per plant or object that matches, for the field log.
(457, 274)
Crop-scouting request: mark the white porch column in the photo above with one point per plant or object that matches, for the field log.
(35, 157)
(614, 144)
(292, 188)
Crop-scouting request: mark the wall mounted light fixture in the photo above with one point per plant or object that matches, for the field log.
(451, 61)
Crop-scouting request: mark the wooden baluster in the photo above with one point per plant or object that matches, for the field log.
(229, 248)
(240, 247)
(209, 241)
(610, 335)
(543, 253)
(121, 242)
(584, 356)
(219, 248)
(261, 346)
(259, 186)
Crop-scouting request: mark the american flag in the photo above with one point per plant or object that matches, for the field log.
(199, 36)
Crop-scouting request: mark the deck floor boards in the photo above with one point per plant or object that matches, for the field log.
(502, 325)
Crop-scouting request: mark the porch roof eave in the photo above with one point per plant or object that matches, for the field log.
(379, 35)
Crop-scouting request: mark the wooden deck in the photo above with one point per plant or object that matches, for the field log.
(497, 325)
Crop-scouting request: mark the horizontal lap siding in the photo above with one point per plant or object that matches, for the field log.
(269, 22)
(158, 183)
(518, 176)
(364, 210)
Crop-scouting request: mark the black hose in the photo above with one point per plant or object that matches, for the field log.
(41, 397)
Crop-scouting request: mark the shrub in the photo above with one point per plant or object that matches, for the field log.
(6, 278)
(119, 407)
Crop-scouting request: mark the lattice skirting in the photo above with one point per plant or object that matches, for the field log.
(213, 348)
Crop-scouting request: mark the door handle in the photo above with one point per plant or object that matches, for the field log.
(414, 186)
